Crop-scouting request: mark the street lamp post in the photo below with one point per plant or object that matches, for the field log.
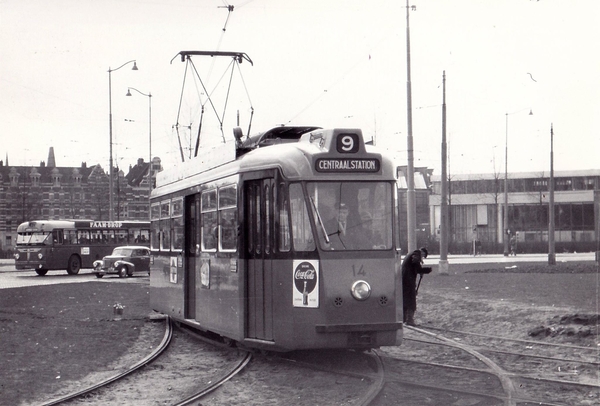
(411, 210)
(149, 96)
(505, 216)
(111, 208)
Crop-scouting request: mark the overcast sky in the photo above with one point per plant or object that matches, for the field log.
(330, 63)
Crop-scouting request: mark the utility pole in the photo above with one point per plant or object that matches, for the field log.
(443, 264)
(551, 244)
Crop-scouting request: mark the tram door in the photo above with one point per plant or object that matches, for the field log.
(192, 241)
(259, 241)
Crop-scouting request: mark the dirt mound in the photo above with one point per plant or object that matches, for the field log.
(571, 325)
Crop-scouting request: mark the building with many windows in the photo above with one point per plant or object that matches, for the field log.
(476, 210)
(51, 192)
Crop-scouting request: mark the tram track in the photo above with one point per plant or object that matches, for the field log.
(105, 382)
(518, 386)
(180, 371)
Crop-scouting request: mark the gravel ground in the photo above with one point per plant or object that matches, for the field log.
(56, 337)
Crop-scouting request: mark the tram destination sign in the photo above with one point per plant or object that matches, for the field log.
(347, 165)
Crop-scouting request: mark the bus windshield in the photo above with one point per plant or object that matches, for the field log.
(352, 215)
(31, 238)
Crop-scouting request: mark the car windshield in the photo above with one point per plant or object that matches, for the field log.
(352, 215)
(122, 252)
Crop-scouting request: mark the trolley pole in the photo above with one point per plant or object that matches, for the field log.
(443, 264)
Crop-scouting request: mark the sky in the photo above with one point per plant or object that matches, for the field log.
(327, 63)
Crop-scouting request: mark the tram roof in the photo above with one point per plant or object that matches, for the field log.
(295, 159)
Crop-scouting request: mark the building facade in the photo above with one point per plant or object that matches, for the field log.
(50, 192)
(476, 211)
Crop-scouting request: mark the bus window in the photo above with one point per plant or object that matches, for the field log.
(301, 231)
(70, 237)
(108, 237)
(121, 236)
(83, 236)
(57, 236)
(284, 222)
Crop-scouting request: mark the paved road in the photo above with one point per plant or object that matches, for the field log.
(11, 278)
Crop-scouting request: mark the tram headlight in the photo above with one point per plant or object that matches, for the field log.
(361, 290)
(17, 256)
(40, 255)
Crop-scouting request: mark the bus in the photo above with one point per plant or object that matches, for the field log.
(285, 242)
(47, 245)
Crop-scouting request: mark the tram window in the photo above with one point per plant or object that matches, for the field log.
(155, 238)
(165, 234)
(177, 207)
(209, 220)
(258, 221)
(228, 218)
(352, 215)
(177, 224)
(228, 229)
(268, 216)
(155, 211)
(301, 231)
(284, 223)
(165, 210)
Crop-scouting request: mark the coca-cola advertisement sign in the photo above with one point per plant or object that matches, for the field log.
(306, 283)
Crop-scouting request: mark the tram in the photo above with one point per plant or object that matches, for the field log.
(285, 243)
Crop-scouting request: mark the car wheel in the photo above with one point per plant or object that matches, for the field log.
(74, 265)
(123, 272)
(41, 272)
(99, 275)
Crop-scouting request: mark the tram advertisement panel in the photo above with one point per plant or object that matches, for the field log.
(306, 283)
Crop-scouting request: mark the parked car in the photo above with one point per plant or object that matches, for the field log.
(124, 261)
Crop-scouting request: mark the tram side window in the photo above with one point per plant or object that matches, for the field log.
(155, 226)
(301, 231)
(209, 220)
(228, 218)
(177, 224)
(284, 222)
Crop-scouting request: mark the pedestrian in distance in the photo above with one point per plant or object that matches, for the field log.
(412, 265)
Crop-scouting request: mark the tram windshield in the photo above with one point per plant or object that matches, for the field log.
(352, 215)
(30, 238)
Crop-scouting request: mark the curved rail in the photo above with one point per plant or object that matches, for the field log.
(233, 372)
(153, 355)
(377, 387)
(503, 376)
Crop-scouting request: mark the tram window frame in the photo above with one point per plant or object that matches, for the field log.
(268, 218)
(301, 225)
(177, 224)
(164, 226)
(209, 221)
(227, 218)
(284, 243)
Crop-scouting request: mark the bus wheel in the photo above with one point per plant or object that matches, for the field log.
(99, 275)
(74, 265)
(41, 272)
(123, 272)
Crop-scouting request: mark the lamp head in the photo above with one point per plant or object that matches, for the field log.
(128, 92)
(134, 66)
(530, 112)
